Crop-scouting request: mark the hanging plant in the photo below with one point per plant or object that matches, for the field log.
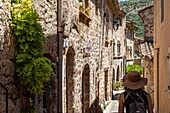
(88, 10)
(31, 67)
(81, 5)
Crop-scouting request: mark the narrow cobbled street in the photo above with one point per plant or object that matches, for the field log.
(71, 56)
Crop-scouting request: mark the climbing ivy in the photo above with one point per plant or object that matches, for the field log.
(32, 68)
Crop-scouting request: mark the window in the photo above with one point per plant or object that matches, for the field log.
(162, 10)
(120, 20)
(113, 48)
(97, 6)
(130, 52)
(118, 48)
(107, 16)
(107, 22)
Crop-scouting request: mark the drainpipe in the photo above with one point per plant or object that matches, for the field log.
(60, 55)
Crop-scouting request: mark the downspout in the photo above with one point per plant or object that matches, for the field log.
(60, 56)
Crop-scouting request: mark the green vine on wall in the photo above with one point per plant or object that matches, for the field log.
(32, 68)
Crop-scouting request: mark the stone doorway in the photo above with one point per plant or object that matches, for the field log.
(97, 83)
(43, 102)
(117, 76)
(113, 81)
(106, 83)
(70, 57)
(86, 89)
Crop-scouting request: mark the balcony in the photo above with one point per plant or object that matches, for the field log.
(84, 17)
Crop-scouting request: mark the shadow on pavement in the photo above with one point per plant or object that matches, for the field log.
(95, 107)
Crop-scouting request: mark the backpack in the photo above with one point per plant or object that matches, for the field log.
(135, 102)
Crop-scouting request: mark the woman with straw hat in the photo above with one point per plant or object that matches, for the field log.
(134, 96)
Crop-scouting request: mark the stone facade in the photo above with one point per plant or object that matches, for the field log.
(16, 93)
(47, 10)
(130, 31)
(87, 60)
(7, 76)
(119, 48)
(136, 49)
(147, 18)
(147, 47)
(93, 56)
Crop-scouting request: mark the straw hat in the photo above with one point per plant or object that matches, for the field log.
(135, 81)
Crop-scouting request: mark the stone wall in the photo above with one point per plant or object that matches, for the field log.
(84, 39)
(16, 97)
(148, 64)
(47, 10)
(87, 62)
(147, 17)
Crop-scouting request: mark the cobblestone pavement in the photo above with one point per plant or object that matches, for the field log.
(112, 107)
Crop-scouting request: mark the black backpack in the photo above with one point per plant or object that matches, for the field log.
(136, 102)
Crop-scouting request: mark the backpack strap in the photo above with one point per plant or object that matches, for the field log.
(129, 93)
(139, 97)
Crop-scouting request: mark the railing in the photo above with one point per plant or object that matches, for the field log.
(6, 96)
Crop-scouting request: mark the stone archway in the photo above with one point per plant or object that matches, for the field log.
(49, 87)
(86, 89)
(121, 70)
(97, 86)
(44, 101)
(106, 84)
(70, 57)
(117, 75)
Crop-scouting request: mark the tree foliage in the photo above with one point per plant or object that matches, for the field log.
(32, 68)
(134, 67)
(131, 7)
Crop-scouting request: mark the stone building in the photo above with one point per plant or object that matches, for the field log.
(130, 33)
(7, 44)
(86, 41)
(17, 95)
(136, 49)
(161, 56)
(146, 47)
(87, 60)
(119, 49)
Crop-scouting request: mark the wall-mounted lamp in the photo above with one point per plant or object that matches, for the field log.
(66, 43)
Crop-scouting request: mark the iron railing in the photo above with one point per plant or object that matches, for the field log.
(6, 90)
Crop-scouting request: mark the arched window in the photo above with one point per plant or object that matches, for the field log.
(97, 6)
(118, 48)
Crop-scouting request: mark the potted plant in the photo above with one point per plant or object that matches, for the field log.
(81, 6)
(88, 10)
